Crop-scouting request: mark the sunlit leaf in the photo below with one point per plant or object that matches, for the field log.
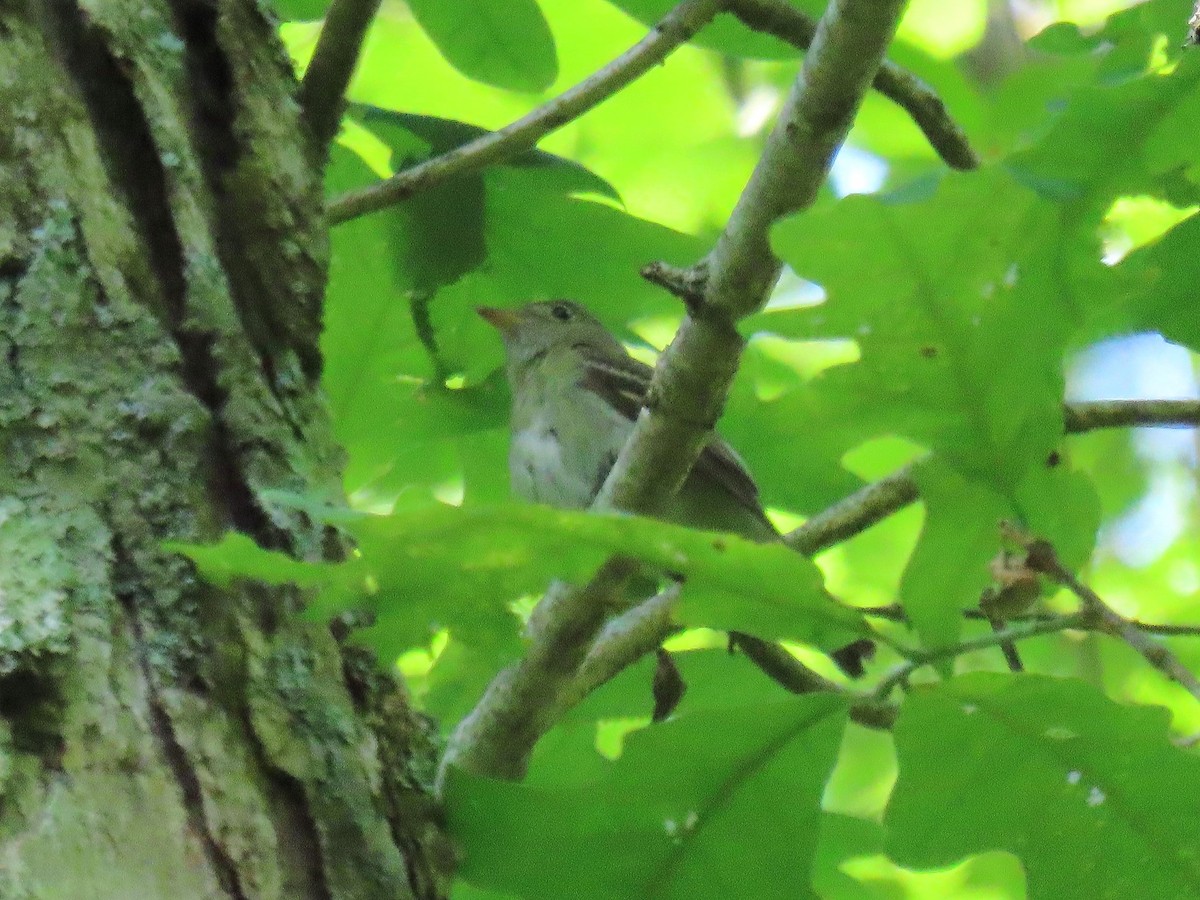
(502, 42)
(458, 563)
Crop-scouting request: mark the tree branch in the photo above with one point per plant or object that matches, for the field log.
(676, 28)
(641, 630)
(624, 641)
(522, 702)
(927, 110)
(878, 500)
(497, 737)
(1096, 414)
(694, 373)
(856, 513)
(331, 67)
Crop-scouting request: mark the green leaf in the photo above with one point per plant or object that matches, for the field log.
(725, 803)
(1157, 277)
(505, 43)
(464, 562)
(1129, 39)
(1127, 138)
(959, 313)
(237, 556)
(1063, 507)
(1090, 795)
(949, 566)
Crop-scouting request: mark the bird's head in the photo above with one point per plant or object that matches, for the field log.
(533, 330)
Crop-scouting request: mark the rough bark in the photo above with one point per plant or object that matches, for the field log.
(162, 259)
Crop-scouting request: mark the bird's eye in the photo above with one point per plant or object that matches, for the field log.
(561, 311)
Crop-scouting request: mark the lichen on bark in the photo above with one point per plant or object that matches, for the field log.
(162, 260)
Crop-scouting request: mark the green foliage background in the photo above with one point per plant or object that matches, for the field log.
(953, 304)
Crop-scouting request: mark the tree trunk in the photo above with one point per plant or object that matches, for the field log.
(162, 260)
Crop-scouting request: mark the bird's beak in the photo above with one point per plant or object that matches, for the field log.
(503, 320)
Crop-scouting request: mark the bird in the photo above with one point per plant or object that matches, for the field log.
(576, 394)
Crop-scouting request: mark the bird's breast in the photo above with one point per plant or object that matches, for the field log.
(560, 455)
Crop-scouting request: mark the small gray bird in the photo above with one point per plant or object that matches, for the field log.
(576, 394)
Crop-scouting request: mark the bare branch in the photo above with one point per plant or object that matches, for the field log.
(878, 500)
(795, 27)
(1081, 417)
(676, 28)
(331, 67)
(858, 512)
(693, 375)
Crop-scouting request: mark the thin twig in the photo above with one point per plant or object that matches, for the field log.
(1042, 557)
(902, 87)
(895, 613)
(1009, 648)
(331, 67)
(1018, 632)
(785, 670)
(876, 501)
(686, 284)
(676, 28)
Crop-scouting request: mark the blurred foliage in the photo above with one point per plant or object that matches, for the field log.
(945, 316)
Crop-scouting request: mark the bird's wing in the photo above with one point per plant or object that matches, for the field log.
(623, 384)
